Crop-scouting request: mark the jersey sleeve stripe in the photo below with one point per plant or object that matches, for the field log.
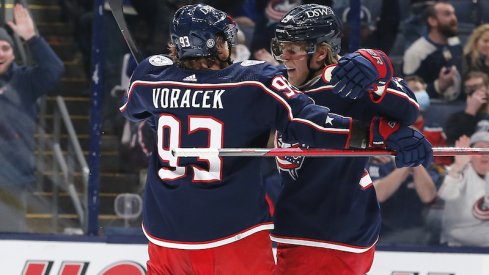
(281, 100)
(403, 95)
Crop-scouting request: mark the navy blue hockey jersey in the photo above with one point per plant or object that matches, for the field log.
(195, 203)
(330, 202)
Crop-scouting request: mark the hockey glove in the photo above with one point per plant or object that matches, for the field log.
(361, 72)
(411, 146)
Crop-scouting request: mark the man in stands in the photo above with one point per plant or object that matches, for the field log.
(437, 56)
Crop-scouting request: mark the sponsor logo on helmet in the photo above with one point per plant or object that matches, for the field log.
(206, 9)
(316, 13)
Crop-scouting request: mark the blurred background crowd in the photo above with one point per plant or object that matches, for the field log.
(441, 48)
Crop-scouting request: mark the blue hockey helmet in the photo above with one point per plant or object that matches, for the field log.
(196, 27)
(310, 23)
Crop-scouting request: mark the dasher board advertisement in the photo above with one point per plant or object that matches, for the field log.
(100, 258)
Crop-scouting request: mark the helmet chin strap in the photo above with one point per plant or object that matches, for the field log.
(228, 60)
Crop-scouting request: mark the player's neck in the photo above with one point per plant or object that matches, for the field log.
(203, 64)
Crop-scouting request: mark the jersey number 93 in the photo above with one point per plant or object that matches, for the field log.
(169, 137)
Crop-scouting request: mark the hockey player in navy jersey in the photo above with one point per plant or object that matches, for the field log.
(327, 218)
(208, 215)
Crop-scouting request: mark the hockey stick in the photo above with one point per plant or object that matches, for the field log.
(282, 152)
(116, 7)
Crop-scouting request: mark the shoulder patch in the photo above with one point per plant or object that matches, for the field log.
(160, 60)
(247, 63)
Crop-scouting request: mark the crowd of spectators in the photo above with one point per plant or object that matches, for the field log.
(465, 191)
(441, 63)
(20, 88)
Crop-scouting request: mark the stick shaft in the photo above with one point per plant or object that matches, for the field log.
(116, 7)
(281, 152)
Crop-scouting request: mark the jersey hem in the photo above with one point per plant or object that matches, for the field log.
(210, 244)
(323, 244)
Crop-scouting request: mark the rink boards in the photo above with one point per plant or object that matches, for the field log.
(84, 257)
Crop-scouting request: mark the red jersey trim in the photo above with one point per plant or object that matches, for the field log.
(322, 244)
(209, 244)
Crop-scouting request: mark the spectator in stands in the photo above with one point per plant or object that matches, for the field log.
(476, 87)
(20, 88)
(476, 51)
(437, 56)
(433, 132)
(465, 190)
(406, 194)
(418, 86)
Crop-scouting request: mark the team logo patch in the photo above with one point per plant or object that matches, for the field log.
(247, 63)
(290, 164)
(160, 60)
(210, 43)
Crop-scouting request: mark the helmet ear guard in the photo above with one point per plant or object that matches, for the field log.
(231, 31)
(276, 49)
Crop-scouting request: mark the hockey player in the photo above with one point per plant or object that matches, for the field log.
(327, 218)
(208, 215)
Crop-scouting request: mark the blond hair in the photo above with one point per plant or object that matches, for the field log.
(471, 45)
(330, 58)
